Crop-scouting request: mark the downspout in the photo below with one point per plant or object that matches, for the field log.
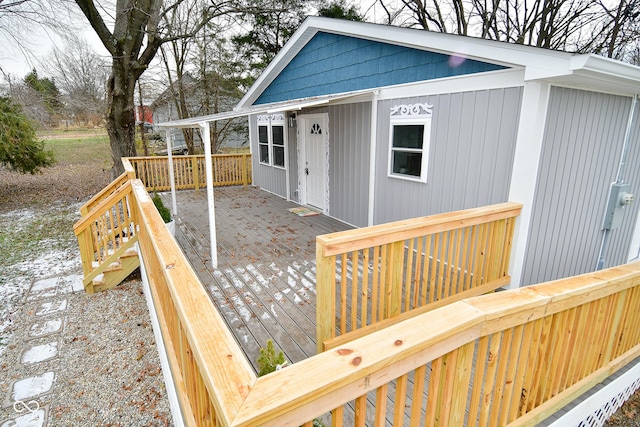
(372, 156)
(619, 180)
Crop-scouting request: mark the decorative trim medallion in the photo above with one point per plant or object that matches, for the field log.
(266, 118)
(412, 111)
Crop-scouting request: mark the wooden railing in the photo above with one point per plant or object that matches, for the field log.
(370, 278)
(502, 358)
(512, 357)
(106, 192)
(189, 171)
(106, 231)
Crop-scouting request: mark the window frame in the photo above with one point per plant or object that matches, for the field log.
(270, 121)
(278, 146)
(261, 144)
(411, 115)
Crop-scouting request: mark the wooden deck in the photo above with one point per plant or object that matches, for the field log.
(264, 285)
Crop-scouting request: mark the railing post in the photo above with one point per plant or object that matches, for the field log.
(245, 178)
(325, 297)
(195, 172)
(86, 253)
(394, 271)
(128, 168)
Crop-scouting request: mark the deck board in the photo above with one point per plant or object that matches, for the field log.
(264, 286)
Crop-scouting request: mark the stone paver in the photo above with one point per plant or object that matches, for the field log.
(23, 393)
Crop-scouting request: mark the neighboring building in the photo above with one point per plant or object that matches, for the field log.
(164, 109)
(144, 114)
(381, 123)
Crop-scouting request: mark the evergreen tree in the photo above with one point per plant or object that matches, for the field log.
(20, 149)
(47, 90)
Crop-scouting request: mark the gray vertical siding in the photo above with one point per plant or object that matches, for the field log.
(621, 238)
(268, 178)
(349, 158)
(473, 137)
(580, 154)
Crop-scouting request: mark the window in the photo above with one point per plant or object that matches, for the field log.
(277, 138)
(263, 142)
(409, 142)
(271, 139)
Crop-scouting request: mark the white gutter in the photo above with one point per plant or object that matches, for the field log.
(296, 104)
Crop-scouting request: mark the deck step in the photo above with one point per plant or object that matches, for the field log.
(115, 273)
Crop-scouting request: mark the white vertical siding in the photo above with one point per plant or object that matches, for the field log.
(473, 138)
(580, 155)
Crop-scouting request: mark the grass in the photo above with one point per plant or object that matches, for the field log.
(79, 146)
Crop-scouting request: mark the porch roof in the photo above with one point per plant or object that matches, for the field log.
(296, 104)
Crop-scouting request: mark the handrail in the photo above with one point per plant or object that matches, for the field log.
(189, 171)
(372, 277)
(206, 360)
(525, 368)
(106, 231)
(103, 194)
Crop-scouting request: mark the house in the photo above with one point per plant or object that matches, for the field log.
(370, 124)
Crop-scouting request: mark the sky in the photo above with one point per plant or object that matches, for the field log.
(18, 63)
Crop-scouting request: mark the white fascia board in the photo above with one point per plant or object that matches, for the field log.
(467, 83)
(539, 63)
(606, 66)
(296, 104)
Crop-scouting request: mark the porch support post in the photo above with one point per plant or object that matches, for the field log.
(174, 205)
(533, 116)
(206, 139)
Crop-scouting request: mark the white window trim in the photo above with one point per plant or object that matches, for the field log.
(411, 114)
(270, 120)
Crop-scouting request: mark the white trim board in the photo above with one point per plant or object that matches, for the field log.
(597, 408)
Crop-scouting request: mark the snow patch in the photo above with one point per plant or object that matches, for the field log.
(51, 307)
(34, 419)
(40, 353)
(46, 328)
(33, 386)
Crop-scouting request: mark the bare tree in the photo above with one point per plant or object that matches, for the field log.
(175, 56)
(21, 19)
(80, 74)
(138, 30)
(606, 27)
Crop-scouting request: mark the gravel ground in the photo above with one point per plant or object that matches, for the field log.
(107, 369)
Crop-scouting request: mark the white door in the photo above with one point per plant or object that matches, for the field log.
(315, 134)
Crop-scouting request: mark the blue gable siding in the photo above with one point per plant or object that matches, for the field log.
(332, 63)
